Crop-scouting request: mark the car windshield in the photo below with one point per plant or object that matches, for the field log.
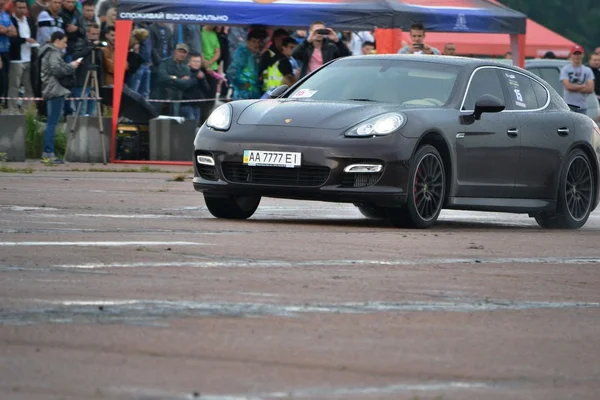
(382, 80)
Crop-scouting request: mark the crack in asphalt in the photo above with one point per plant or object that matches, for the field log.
(147, 311)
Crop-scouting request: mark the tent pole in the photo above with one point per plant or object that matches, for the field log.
(517, 47)
(122, 33)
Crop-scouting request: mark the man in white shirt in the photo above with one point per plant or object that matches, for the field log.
(20, 54)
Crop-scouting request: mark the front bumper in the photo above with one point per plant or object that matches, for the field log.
(321, 176)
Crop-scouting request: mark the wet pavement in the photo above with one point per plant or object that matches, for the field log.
(121, 285)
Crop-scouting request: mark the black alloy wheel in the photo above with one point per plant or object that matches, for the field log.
(579, 187)
(232, 206)
(426, 191)
(575, 195)
(429, 187)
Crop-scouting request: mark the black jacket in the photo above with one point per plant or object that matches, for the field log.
(157, 44)
(17, 41)
(83, 48)
(199, 88)
(73, 18)
(304, 51)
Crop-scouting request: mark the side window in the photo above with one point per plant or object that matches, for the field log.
(540, 93)
(552, 76)
(485, 81)
(521, 92)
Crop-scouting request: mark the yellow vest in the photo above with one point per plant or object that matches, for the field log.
(271, 76)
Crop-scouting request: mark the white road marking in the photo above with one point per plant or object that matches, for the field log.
(317, 392)
(102, 244)
(313, 263)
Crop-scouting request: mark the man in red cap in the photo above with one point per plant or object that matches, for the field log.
(578, 81)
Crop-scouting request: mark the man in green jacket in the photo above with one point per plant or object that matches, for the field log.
(174, 77)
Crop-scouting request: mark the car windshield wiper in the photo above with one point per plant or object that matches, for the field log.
(361, 100)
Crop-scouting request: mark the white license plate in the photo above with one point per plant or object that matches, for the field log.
(259, 158)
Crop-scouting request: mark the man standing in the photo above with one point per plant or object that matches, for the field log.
(322, 46)
(7, 30)
(198, 89)
(595, 67)
(271, 55)
(83, 49)
(49, 22)
(20, 55)
(578, 81)
(174, 77)
(282, 71)
(243, 71)
(449, 49)
(108, 57)
(418, 46)
(73, 25)
(89, 14)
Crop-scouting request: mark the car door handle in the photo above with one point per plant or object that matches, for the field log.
(563, 131)
(513, 132)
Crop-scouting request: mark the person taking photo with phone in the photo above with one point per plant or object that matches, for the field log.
(54, 70)
(321, 46)
(418, 46)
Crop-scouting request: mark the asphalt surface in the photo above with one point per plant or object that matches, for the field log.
(120, 285)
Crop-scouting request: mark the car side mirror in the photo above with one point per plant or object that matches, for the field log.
(488, 104)
(278, 91)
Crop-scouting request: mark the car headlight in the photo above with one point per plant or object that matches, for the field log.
(378, 126)
(220, 119)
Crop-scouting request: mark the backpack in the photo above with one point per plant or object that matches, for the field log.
(36, 73)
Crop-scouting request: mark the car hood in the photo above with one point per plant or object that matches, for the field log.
(310, 114)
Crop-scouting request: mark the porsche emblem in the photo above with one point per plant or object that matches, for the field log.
(288, 120)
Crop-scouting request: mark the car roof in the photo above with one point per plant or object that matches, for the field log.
(546, 62)
(449, 60)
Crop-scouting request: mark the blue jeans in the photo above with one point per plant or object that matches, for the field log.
(89, 106)
(54, 108)
(140, 81)
(190, 112)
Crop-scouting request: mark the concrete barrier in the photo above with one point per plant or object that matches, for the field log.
(85, 144)
(13, 132)
(171, 140)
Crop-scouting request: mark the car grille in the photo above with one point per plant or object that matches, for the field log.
(303, 176)
(208, 172)
(360, 180)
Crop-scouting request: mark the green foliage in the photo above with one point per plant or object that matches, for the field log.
(577, 21)
(34, 137)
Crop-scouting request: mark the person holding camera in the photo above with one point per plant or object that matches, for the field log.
(54, 70)
(84, 47)
(321, 46)
(418, 46)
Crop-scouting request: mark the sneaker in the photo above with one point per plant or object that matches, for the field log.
(48, 155)
(58, 161)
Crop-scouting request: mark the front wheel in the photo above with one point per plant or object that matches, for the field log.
(426, 189)
(575, 195)
(232, 206)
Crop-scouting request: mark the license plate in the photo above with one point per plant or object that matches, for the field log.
(259, 158)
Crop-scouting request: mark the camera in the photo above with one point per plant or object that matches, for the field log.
(419, 46)
(323, 31)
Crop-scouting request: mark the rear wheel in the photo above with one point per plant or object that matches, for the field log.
(232, 207)
(426, 191)
(575, 195)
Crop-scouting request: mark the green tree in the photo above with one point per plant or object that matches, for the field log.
(577, 20)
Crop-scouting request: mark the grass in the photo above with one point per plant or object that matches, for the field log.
(179, 178)
(9, 170)
(34, 137)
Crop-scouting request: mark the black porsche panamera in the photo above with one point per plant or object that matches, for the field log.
(402, 137)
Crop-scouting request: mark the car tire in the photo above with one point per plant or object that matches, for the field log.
(575, 197)
(426, 191)
(372, 212)
(232, 206)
